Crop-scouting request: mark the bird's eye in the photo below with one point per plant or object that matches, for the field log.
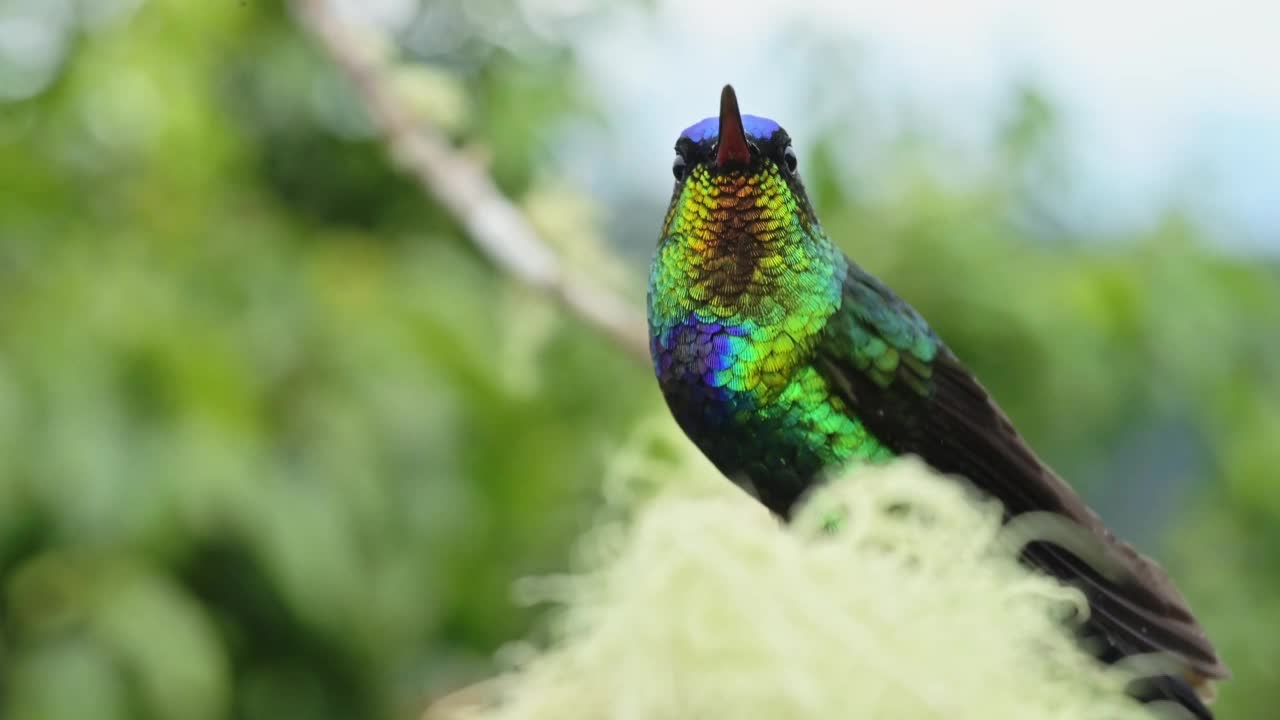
(789, 159)
(677, 167)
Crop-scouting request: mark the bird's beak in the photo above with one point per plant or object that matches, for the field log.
(733, 147)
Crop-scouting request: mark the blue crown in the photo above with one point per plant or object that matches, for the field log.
(758, 128)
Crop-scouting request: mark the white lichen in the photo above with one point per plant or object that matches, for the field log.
(704, 606)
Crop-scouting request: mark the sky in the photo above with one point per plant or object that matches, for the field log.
(1159, 99)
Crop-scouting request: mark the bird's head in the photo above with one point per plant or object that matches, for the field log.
(741, 242)
(737, 181)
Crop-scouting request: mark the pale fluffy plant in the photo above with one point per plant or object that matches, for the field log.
(892, 595)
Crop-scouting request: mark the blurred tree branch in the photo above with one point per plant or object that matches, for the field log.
(459, 184)
(469, 701)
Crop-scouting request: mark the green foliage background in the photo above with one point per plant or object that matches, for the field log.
(275, 441)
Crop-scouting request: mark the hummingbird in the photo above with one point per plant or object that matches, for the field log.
(782, 360)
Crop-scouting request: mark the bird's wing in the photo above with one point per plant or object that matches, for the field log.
(913, 394)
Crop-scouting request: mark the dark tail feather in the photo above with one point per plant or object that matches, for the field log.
(1169, 688)
(1164, 689)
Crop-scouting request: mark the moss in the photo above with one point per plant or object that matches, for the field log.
(913, 606)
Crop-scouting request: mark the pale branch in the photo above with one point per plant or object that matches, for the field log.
(460, 185)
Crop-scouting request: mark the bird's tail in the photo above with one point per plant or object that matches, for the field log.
(1173, 695)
